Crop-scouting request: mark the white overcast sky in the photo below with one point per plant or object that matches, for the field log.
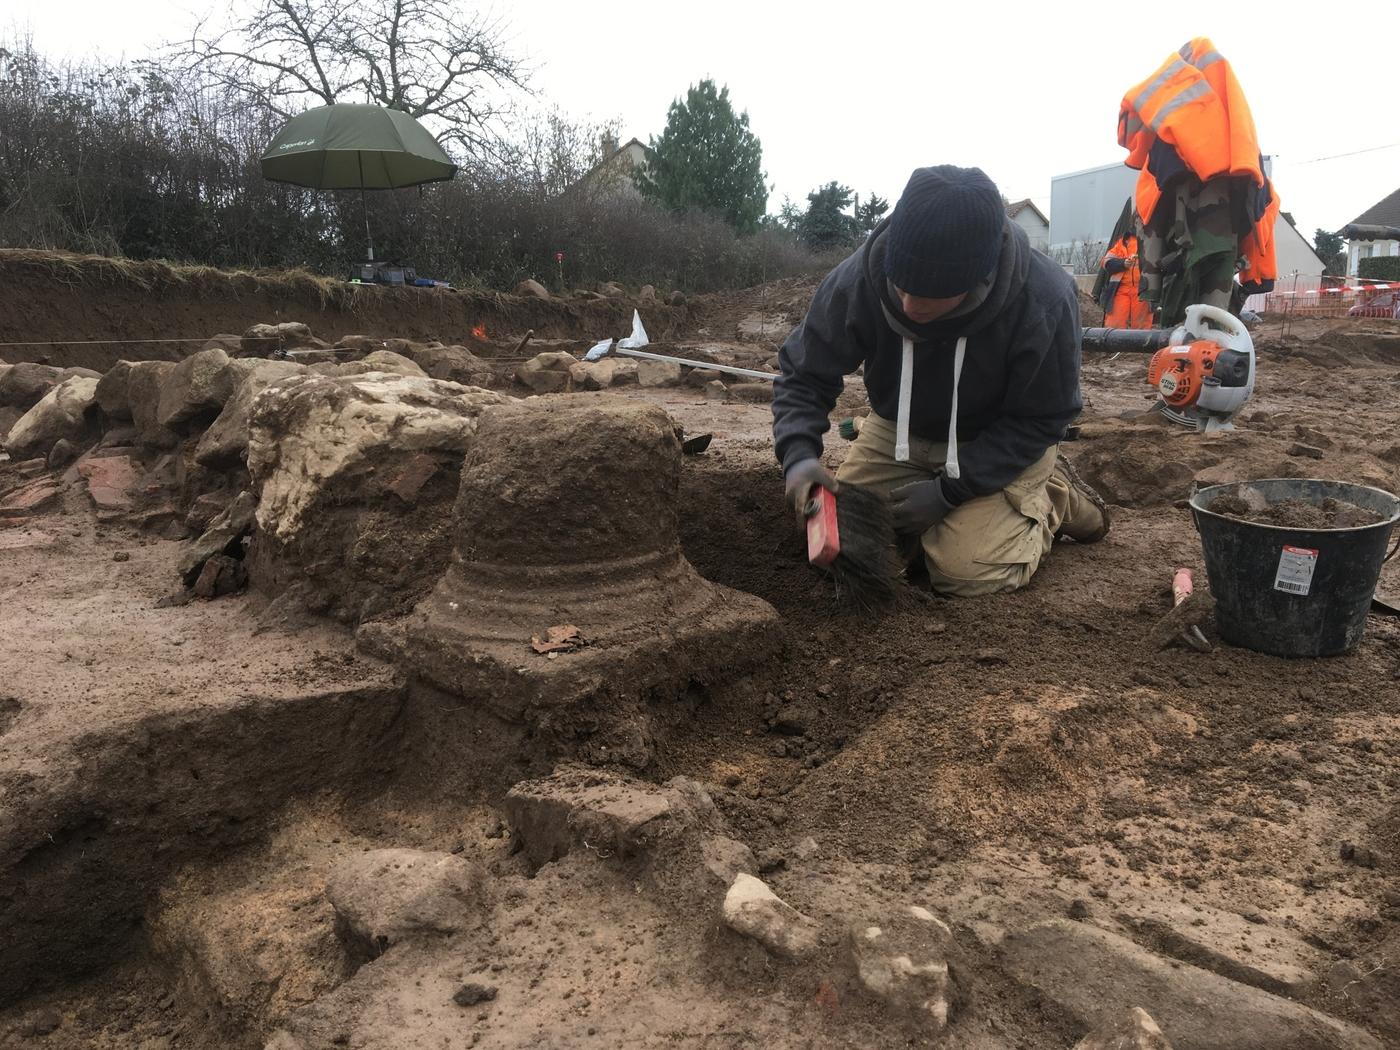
(865, 92)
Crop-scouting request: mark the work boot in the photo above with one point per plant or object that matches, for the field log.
(1086, 517)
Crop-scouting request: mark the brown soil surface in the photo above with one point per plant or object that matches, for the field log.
(1297, 513)
(90, 312)
(998, 761)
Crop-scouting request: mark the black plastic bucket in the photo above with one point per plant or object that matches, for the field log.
(1288, 591)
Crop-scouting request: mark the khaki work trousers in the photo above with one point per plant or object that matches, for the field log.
(988, 544)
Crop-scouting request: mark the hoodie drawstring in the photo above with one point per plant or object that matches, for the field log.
(906, 392)
(950, 465)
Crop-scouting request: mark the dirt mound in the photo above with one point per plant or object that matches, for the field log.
(132, 310)
(1147, 461)
(567, 597)
(1331, 342)
(1145, 465)
(1090, 312)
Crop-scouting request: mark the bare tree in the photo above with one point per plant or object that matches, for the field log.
(1082, 256)
(433, 59)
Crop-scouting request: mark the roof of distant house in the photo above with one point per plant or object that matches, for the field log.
(1016, 207)
(607, 161)
(1384, 213)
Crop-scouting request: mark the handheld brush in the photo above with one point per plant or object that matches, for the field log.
(851, 536)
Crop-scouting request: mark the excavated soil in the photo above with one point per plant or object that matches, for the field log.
(999, 761)
(1298, 514)
(90, 312)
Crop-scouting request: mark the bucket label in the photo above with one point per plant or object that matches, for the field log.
(1295, 570)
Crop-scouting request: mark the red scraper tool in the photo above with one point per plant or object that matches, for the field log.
(823, 537)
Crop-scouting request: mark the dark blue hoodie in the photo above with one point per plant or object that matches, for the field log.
(1019, 382)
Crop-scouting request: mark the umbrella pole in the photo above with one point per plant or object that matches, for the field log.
(364, 203)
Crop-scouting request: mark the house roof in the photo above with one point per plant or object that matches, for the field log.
(1016, 207)
(619, 152)
(1286, 217)
(607, 161)
(1383, 213)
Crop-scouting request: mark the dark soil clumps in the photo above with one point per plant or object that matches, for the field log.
(1298, 514)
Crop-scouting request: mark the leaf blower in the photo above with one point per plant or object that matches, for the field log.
(1202, 370)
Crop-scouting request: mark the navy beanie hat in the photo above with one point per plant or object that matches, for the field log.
(945, 234)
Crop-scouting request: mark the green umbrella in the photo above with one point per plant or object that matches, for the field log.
(352, 146)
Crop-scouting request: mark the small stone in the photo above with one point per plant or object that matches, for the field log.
(770, 860)
(726, 859)
(794, 719)
(1132, 1029)
(548, 373)
(385, 896)
(990, 657)
(220, 575)
(677, 298)
(754, 910)
(1079, 908)
(806, 849)
(1312, 436)
(903, 959)
(68, 411)
(611, 814)
(472, 994)
(223, 536)
(759, 393)
(532, 289)
(715, 390)
(658, 373)
(62, 454)
(120, 556)
(27, 499)
(196, 389)
(1305, 451)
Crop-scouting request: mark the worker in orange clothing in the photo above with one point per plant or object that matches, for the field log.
(1116, 289)
(1121, 306)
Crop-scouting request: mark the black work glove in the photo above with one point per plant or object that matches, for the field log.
(801, 478)
(919, 506)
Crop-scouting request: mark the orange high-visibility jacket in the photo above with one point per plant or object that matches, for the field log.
(1191, 114)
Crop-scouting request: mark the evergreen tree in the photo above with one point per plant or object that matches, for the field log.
(707, 158)
(870, 212)
(826, 224)
(1332, 250)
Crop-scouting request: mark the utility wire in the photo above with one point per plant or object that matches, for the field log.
(1353, 153)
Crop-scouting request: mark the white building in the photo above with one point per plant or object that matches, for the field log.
(1376, 231)
(617, 171)
(1031, 219)
(1084, 206)
(1293, 252)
